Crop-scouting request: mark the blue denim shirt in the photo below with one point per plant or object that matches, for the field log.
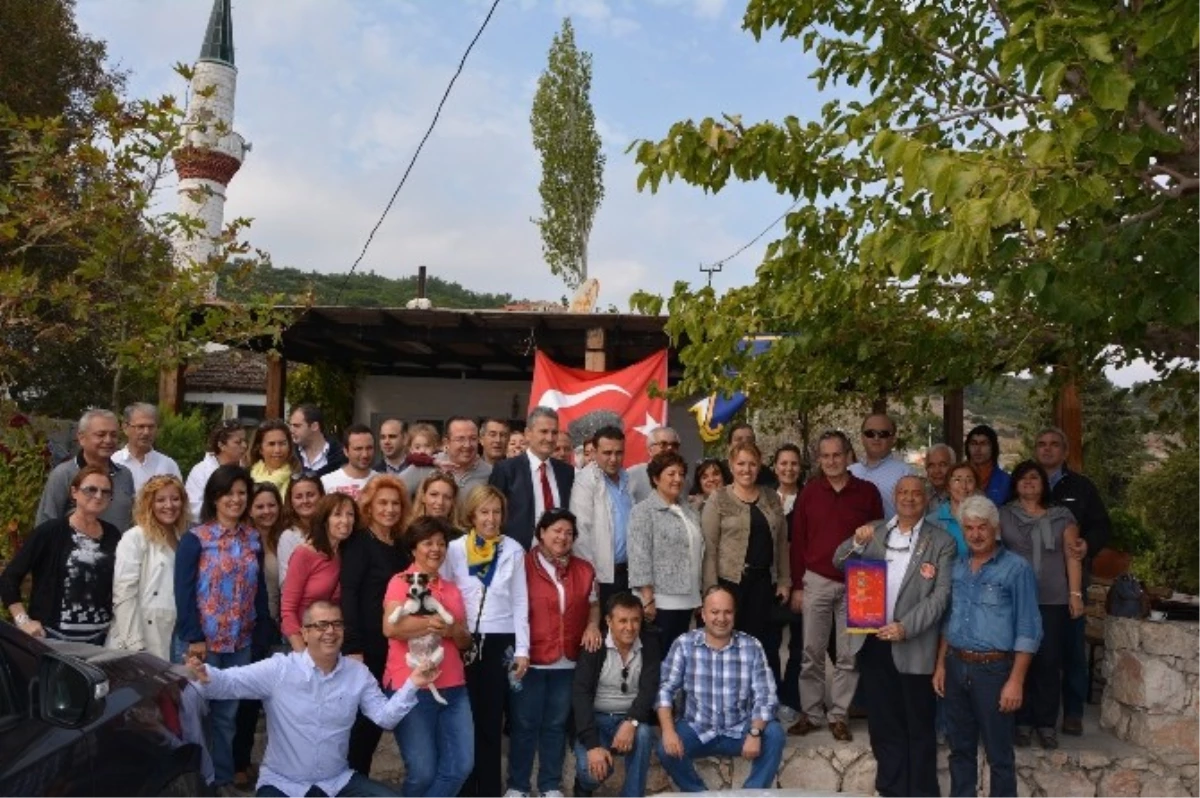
(620, 503)
(995, 608)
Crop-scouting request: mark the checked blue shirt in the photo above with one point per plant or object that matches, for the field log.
(725, 688)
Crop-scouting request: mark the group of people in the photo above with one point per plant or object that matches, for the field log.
(456, 586)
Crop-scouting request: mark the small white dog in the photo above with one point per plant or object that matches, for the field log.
(424, 652)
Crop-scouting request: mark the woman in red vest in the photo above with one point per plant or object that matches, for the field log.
(564, 615)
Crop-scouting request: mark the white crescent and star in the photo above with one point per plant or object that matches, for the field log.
(558, 400)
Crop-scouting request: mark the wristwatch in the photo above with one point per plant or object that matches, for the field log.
(21, 619)
(755, 732)
(634, 721)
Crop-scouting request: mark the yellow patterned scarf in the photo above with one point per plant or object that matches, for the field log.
(481, 556)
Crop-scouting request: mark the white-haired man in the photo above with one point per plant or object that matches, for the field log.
(97, 435)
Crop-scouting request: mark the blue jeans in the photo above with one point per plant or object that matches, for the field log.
(762, 772)
(637, 761)
(437, 743)
(1074, 668)
(222, 719)
(539, 725)
(973, 710)
(359, 786)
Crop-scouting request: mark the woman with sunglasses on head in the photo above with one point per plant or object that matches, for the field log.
(226, 446)
(303, 497)
(564, 617)
(370, 558)
(220, 592)
(437, 497)
(489, 569)
(144, 576)
(315, 570)
(272, 457)
(71, 561)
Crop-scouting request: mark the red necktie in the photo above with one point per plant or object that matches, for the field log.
(547, 494)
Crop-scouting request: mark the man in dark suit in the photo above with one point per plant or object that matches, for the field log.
(533, 482)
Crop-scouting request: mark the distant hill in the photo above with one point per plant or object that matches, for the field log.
(368, 290)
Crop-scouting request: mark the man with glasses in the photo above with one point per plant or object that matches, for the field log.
(878, 466)
(613, 697)
(662, 439)
(97, 436)
(138, 454)
(830, 507)
(312, 698)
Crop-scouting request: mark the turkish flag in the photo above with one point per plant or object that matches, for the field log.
(575, 393)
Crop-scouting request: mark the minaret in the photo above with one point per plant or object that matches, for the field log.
(211, 153)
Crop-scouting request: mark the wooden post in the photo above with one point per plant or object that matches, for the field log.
(952, 420)
(276, 385)
(593, 358)
(171, 387)
(1068, 416)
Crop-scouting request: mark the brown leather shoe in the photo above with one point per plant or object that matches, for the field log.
(841, 732)
(1072, 726)
(802, 727)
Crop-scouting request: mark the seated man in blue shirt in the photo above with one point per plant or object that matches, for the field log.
(311, 699)
(730, 700)
(989, 637)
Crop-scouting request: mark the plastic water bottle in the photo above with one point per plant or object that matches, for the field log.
(510, 667)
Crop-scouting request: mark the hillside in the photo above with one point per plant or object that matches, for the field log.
(362, 290)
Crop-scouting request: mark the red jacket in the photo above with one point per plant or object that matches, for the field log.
(554, 634)
(823, 518)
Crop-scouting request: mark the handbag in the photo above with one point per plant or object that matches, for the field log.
(475, 650)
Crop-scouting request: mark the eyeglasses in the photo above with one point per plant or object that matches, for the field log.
(325, 626)
(877, 433)
(625, 680)
(91, 491)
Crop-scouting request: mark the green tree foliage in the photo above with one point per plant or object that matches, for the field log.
(1164, 500)
(184, 437)
(329, 386)
(24, 466)
(85, 194)
(564, 133)
(361, 290)
(1014, 183)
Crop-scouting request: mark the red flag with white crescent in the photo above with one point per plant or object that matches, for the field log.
(575, 392)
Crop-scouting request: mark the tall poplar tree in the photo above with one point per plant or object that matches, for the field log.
(564, 133)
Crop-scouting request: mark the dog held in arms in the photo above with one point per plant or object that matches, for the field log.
(424, 652)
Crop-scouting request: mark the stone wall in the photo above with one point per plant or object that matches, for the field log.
(1151, 697)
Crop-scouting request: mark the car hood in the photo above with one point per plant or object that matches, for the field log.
(122, 667)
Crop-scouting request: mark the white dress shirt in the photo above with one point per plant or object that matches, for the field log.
(539, 506)
(153, 464)
(196, 482)
(309, 715)
(506, 609)
(898, 549)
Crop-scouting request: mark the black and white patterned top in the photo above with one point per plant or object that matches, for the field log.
(86, 608)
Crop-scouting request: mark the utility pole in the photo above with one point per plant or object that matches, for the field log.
(709, 270)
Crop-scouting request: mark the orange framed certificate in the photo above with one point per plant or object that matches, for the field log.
(866, 596)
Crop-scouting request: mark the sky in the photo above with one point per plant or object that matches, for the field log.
(334, 96)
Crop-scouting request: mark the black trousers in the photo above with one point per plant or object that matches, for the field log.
(365, 735)
(901, 723)
(245, 724)
(619, 584)
(487, 686)
(755, 612)
(1043, 682)
(671, 625)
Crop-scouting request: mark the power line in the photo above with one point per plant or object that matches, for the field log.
(445, 96)
(716, 265)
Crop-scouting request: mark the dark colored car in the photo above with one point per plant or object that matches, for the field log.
(77, 719)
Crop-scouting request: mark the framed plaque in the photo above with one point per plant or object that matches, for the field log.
(866, 596)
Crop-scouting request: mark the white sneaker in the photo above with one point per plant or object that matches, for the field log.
(553, 794)
(516, 794)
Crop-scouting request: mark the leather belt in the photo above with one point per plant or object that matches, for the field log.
(980, 657)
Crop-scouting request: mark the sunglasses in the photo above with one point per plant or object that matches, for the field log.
(91, 491)
(325, 626)
(625, 680)
(877, 433)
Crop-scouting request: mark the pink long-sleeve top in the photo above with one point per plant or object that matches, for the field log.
(311, 577)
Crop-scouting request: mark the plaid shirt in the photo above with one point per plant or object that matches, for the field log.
(726, 687)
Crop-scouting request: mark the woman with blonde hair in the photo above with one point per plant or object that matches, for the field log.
(144, 573)
(489, 569)
(436, 497)
(370, 558)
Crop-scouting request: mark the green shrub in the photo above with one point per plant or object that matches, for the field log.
(24, 466)
(183, 437)
(1164, 500)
